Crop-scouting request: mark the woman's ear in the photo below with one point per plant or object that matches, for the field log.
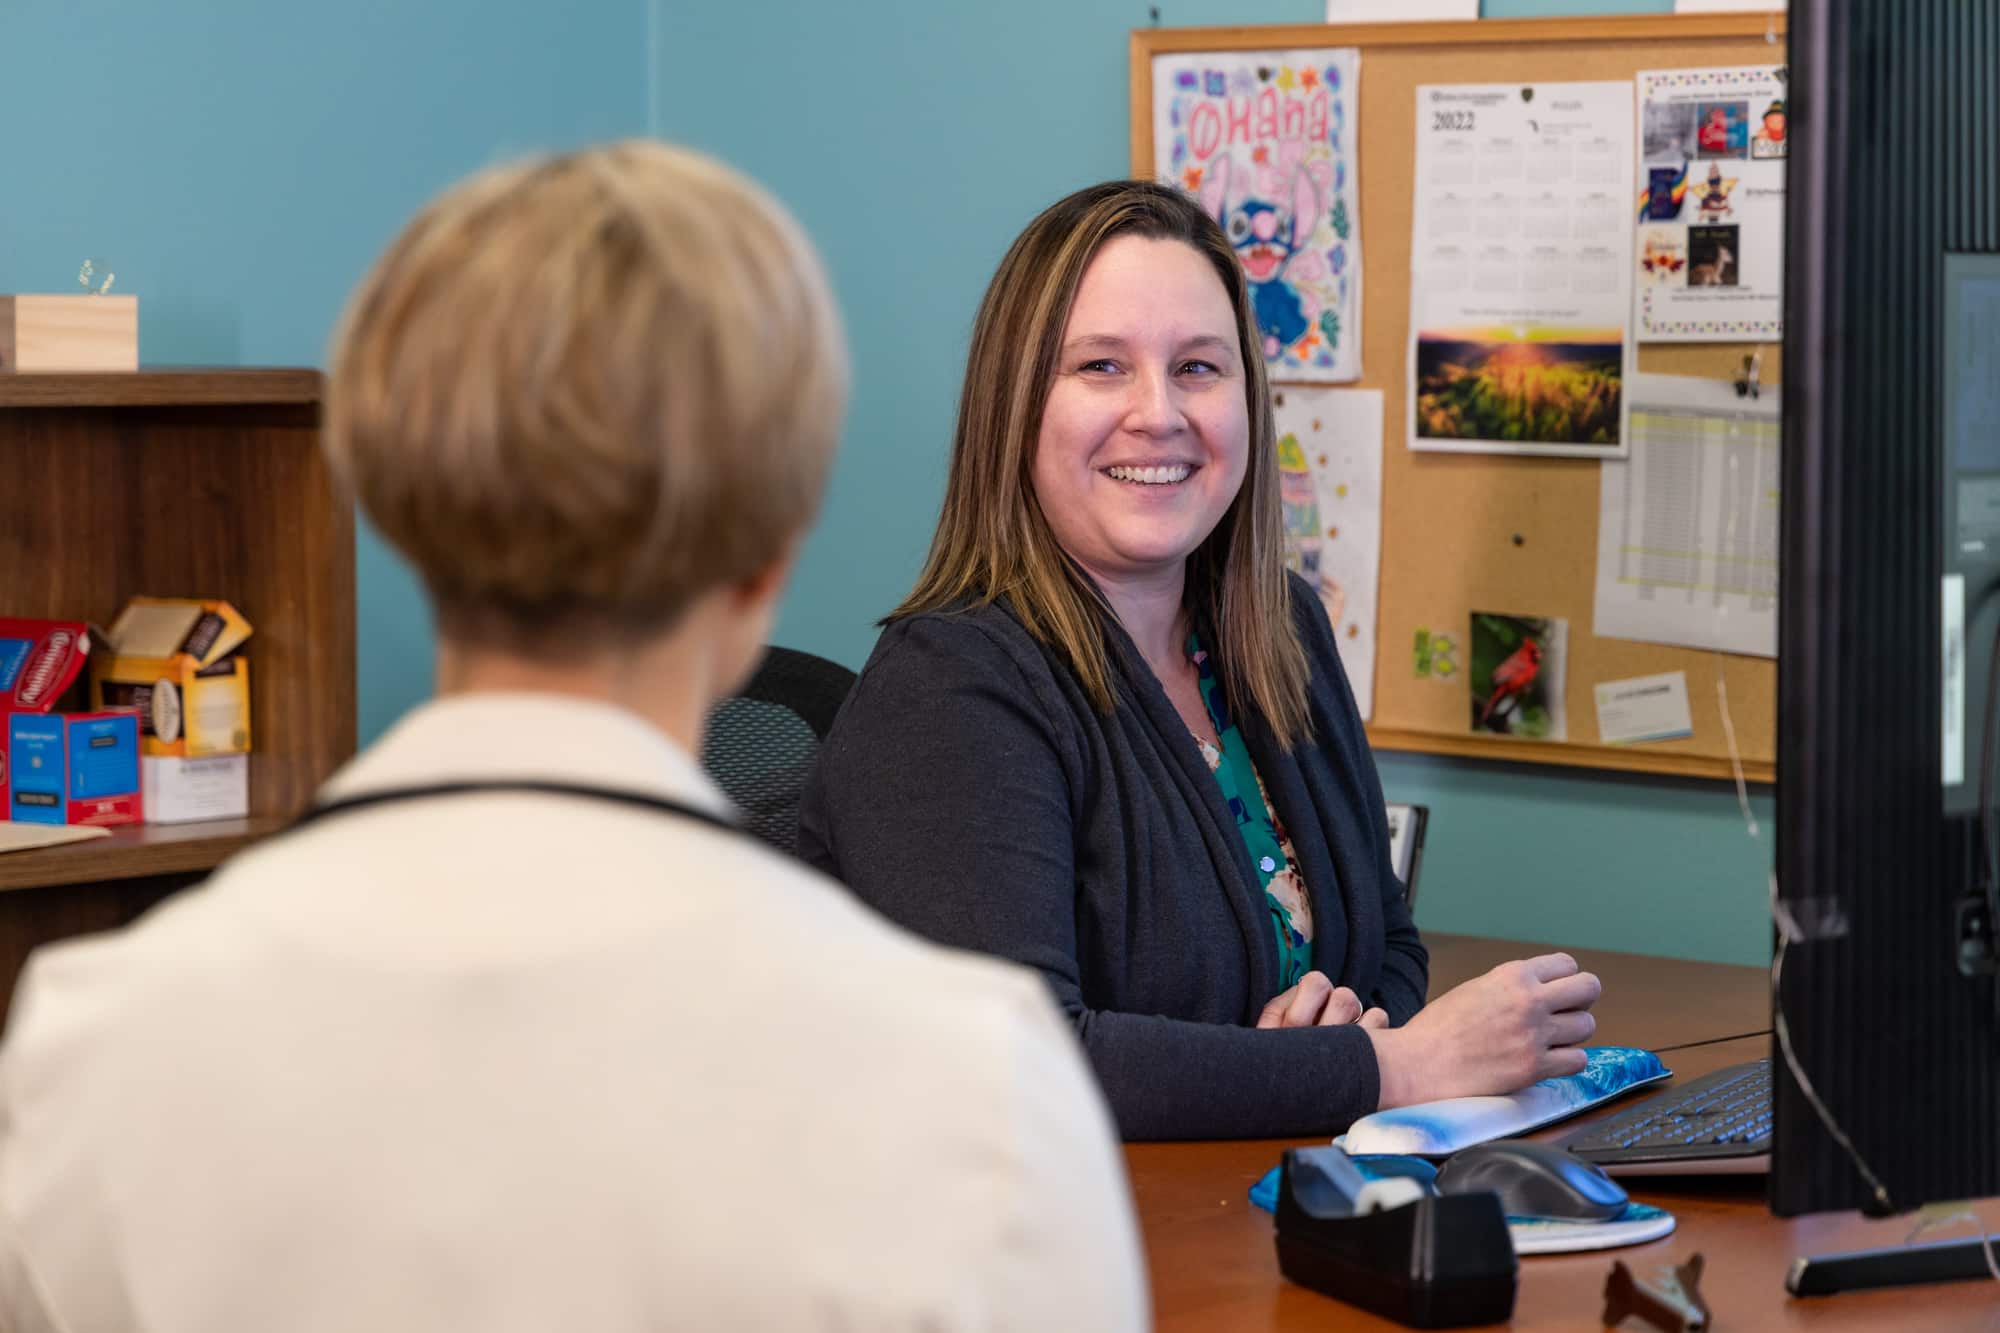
(765, 587)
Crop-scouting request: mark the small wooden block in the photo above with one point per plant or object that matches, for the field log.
(69, 333)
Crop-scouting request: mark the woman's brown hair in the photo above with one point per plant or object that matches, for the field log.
(992, 539)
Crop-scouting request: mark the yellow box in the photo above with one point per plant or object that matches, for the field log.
(178, 662)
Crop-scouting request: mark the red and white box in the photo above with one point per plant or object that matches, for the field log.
(60, 767)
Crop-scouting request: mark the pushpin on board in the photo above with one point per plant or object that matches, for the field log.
(1746, 383)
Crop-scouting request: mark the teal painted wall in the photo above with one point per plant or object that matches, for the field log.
(239, 164)
(915, 139)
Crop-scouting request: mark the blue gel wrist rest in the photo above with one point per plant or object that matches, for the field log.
(1439, 1129)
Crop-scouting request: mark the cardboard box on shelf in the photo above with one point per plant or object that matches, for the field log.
(183, 791)
(72, 768)
(39, 661)
(57, 767)
(178, 661)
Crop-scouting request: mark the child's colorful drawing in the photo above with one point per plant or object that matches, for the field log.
(1330, 482)
(1266, 141)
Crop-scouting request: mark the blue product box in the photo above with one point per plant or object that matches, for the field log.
(72, 768)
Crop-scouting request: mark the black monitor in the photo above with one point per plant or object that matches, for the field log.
(1890, 606)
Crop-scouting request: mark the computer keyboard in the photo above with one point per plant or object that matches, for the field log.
(1718, 1123)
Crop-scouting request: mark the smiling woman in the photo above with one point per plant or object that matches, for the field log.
(1074, 307)
(1105, 736)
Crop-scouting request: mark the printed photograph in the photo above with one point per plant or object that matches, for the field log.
(1724, 129)
(1713, 197)
(1663, 255)
(1517, 676)
(1666, 191)
(1669, 131)
(1769, 140)
(1526, 387)
(1712, 255)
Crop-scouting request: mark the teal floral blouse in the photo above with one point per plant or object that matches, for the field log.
(1270, 849)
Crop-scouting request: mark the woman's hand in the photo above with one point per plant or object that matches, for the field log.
(1521, 1022)
(1317, 1002)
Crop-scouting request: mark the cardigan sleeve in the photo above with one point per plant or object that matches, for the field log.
(946, 798)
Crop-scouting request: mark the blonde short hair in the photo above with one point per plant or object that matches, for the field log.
(579, 392)
(992, 539)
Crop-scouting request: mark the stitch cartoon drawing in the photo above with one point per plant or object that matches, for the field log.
(1267, 237)
(1263, 141)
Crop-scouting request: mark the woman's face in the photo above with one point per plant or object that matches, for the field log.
(1146, 431)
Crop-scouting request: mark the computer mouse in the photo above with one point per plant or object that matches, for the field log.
(1533, 1180)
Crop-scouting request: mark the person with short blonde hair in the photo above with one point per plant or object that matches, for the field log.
(1108, 736)
(514, 1030)
(579, 393)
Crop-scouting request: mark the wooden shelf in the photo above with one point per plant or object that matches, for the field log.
(160, 386)
(129, 853)
(202, 481)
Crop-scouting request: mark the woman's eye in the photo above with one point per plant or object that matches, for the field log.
(1199, 368)
(1100, 366)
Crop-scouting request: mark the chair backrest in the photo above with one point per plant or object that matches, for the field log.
(1407, 824)
(761, 742)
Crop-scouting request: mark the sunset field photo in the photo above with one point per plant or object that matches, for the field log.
(1535, 386)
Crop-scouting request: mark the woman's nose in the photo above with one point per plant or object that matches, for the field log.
(1152, 409)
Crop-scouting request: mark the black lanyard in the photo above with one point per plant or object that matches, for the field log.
(527, 786)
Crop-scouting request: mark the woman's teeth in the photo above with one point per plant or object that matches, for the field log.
(1151, 476)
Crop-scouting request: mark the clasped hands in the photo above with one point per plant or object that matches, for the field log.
(1317, 1002)
(1517, 1024)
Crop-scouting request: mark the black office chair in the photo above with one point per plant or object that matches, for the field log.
(762, 741)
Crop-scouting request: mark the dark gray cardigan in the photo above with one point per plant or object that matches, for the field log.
(970, 791)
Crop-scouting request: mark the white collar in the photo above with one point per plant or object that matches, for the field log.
(522, 735)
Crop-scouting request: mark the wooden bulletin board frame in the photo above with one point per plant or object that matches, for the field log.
(1448, 520)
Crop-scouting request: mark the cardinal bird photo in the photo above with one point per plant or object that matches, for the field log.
(1517, 676)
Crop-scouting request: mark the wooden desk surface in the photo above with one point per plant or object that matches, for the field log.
(1214, 1264)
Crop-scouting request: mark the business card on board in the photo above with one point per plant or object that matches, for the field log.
(1644, 708)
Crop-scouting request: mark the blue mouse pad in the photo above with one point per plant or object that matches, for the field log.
(1376, 1166)
(1638, 1224)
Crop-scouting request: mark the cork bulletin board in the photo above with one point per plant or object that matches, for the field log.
(1467, 532)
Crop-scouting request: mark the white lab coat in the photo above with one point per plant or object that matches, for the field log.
(518, 1064)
